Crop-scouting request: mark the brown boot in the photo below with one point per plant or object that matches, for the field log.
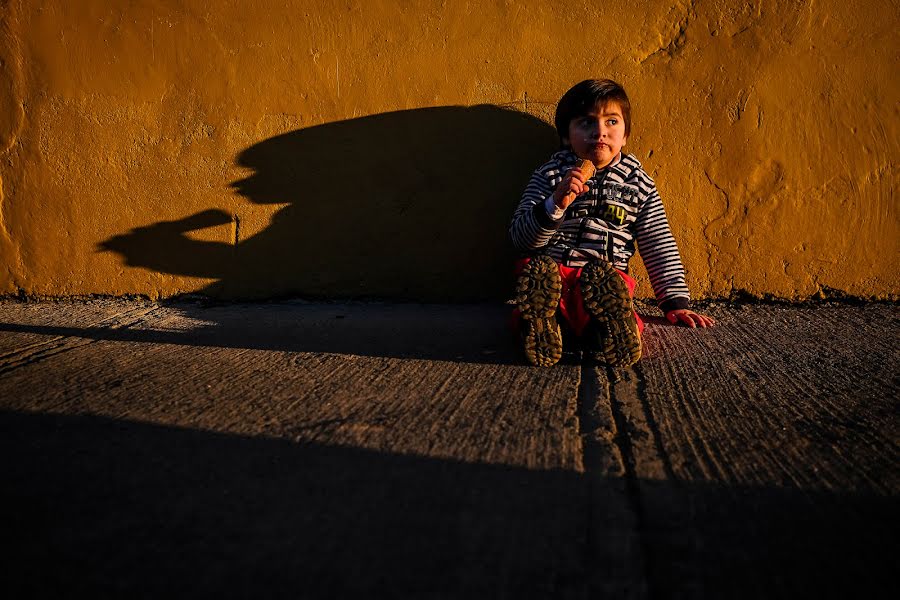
(612, 337)
(538, 291)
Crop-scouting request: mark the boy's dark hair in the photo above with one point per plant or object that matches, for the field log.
(586, 95)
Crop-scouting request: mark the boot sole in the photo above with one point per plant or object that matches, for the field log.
(538, 292)
(609, 305)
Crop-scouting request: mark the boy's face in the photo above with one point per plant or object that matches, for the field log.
(598, 135)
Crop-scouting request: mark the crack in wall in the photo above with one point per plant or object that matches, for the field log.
(676, 43)
(736, 109)
(708, 230)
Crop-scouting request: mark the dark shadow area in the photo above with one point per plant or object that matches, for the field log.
(408, 205)
(97, 508)
(110, 508)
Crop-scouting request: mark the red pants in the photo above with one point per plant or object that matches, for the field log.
(571, 304)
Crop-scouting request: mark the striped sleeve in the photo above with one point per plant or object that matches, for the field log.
(658, 250)
(531, 226)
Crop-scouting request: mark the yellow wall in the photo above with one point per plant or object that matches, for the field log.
(227, 147)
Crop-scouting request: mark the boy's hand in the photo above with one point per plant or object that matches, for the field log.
(573, 185)
(689, 318)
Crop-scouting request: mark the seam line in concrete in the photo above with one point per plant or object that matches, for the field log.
(590, 424)
(623, 442)
(587, 424)
(652, 425)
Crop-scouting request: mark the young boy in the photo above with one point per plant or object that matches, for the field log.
(579, 230)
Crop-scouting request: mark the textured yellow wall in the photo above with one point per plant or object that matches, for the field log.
(378, 148)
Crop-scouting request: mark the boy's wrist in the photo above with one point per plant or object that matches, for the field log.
(554, 210)
(678, 303)
(544, 219)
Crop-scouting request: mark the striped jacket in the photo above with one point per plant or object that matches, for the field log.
(621, 208)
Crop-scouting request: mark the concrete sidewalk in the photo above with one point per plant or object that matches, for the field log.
(371, 450)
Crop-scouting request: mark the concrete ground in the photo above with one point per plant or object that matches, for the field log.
(405, 451)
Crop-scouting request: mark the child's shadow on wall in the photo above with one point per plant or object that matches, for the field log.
(406, 205)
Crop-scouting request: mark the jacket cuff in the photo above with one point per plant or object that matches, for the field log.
(677, 303)
(556, 213)
(543, 219)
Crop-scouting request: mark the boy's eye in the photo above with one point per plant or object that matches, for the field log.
(612, 121)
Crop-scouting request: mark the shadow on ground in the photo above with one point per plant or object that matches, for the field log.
(404, 205)
(470, 333)
(103, 507)
(473, 333)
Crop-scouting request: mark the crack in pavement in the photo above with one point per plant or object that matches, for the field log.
(608, 459)
(652, 425)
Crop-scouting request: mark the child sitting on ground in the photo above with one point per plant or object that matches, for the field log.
(579, 231)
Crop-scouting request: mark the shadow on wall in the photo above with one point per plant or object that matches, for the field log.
(408, 205)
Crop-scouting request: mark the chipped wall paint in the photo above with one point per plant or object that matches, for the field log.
(378, 148)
